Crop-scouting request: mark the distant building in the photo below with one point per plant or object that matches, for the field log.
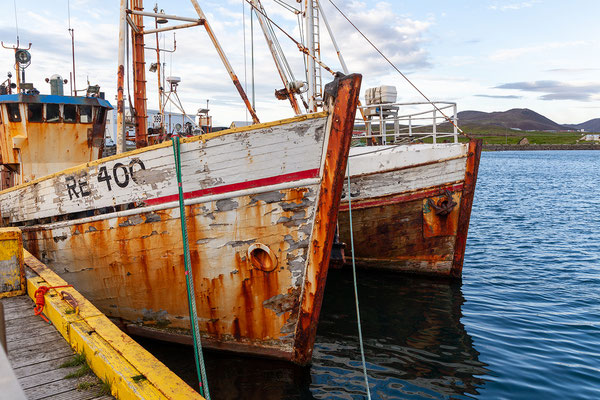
(173, 122)
(524, 141)
(592, 137)
(239, 124)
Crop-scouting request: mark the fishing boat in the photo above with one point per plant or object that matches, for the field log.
(412, 183)
(410, 200)
(261, 204)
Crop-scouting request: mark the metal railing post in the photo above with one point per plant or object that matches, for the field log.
(455, 119)
(434, 126)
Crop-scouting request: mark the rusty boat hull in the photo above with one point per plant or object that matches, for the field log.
(411, 206)
(261, 205)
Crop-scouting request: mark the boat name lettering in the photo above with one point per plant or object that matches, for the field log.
(78, 186)
(84, 189)
(121, 173)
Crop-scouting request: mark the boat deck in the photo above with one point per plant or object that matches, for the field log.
(36, 351)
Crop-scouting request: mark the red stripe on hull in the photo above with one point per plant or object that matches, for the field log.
(273, 180)
(399, 199)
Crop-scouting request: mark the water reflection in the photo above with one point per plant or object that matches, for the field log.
(415, 346)
(415, 343)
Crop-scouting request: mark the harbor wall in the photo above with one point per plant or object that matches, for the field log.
(528, 147)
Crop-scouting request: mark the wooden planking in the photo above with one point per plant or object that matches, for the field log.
(224, 160)
(76, 394)
(38, 339)
(406, 180)
(47, 376)
(36, 352)
(38, 368)
(375, 159)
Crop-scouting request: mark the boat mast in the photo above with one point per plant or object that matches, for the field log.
(310, 61)
(335, 46)
(158, 71)
(120, 79)
(271, 44)
(228, 67)
(139, 77)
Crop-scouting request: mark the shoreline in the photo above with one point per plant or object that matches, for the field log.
(532, 147)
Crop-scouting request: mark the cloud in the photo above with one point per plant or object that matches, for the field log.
(513, 53)
(498, 96)
(513, 6)
(399, 37)
(573, 70)
(556, 90)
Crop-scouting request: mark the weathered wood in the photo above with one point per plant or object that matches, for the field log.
(90, 394)
(36, 354)
(54, 388)
(38, 368)
(37, 339)
(148, 174)
(45, 377)
(394, 225)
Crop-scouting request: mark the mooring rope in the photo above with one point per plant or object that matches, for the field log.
(360, 338)
(189, 279)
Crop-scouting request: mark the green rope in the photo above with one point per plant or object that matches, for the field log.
(189, 279)
(360, 338)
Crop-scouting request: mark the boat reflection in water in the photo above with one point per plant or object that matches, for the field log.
(415, 346)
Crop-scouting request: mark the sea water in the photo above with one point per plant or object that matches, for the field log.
(524, 323)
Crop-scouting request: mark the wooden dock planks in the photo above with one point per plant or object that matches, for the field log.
(36, 350)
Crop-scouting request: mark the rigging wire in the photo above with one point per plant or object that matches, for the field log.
(288, 7)
(360, 338)
(397, 70)
(301, 47)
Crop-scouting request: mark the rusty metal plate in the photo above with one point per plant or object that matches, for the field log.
(440, 218)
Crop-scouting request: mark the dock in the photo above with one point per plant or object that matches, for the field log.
(73, 352)
(40, 357)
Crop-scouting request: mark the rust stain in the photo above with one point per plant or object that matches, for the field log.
(342, 124)
(473, 157)
(439, 224)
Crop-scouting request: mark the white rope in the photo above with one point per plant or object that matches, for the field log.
(360, 338)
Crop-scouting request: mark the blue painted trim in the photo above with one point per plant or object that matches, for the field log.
(53, 99)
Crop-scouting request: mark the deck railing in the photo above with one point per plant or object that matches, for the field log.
(395, 123)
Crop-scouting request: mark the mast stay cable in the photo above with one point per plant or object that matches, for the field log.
(398, 70)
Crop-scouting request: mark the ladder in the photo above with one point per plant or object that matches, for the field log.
(317, 52)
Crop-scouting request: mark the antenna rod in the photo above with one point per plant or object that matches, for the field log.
(158, 71)
(72, 33)
(73, 53)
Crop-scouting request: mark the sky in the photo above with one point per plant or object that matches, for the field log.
(485, 55)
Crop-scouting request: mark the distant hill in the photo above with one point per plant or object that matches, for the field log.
(520, 118)
(593, 125)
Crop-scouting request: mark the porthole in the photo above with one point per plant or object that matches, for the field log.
(261, 257)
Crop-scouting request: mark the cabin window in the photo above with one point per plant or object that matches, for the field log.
(52, 112)
(34, 112)
(14, 115)
(101, 115)
(70, 113)
(85, 114)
